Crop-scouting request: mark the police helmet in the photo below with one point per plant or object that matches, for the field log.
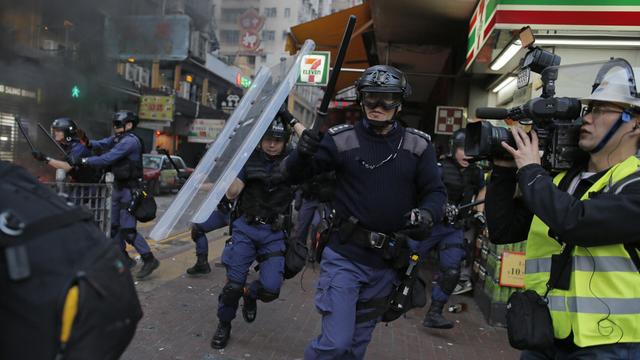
(456, 141)
(383, 79)
(120, 118)
(278, 130)
(67, 126)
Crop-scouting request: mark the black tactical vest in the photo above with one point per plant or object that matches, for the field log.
(265, 193)
(461, 184)
(126, 169)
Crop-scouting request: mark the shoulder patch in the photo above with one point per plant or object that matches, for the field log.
(419, 133)
(339, 129)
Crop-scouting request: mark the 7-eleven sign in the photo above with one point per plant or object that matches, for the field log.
(314, 69)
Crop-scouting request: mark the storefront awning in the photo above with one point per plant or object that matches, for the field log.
(327, 33)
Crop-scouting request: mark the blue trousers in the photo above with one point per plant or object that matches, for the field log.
(123, 224)
(342, 283)
(603, 352)
(215, 221)
(450, 244)
(307, 216)
(246, 243)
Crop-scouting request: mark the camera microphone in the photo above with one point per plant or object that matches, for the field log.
(492, 113)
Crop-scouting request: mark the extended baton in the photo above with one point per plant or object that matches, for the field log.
(321, 113)
(24, 133)
(471, 204)
(64, 153)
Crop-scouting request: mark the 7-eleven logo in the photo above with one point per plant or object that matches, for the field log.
(312, 69)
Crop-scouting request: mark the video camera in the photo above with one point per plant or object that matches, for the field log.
(553, 118)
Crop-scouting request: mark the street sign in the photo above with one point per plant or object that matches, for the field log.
(250, 40)
(156, 108)
(314, 69)
(449, 119)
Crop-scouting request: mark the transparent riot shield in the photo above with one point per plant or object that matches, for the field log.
(220, 165)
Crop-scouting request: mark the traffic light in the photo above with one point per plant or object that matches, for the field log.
(75, 92)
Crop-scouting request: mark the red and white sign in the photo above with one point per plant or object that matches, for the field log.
(250, 20)
(250, 40)
(449, 119)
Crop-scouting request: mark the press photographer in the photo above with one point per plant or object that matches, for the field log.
(582, 258)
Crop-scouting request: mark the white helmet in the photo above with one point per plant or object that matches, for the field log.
(615, 83)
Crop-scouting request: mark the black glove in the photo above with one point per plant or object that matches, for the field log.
(450, 213)
(309, 142)
(286, 115)
(418, 224)
(480, 220)
(39, 156)
(225, 205)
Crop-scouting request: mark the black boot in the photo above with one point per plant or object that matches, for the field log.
(221, 337)
(201, 266)
(434, 318)
(249, 308)
(128, 261)
(149, 263)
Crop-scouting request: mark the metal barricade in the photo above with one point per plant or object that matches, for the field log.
(96, 198)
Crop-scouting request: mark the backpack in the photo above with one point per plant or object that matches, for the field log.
(63, 285)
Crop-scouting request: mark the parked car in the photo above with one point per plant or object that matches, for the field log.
(183, 170)
(159, 174)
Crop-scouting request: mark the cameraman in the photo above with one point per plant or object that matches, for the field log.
(595, 305)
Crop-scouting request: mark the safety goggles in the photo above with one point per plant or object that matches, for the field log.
(387, 101)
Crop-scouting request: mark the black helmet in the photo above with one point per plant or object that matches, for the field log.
(385, 79)
(457, 140)
(278, 130)
(67, 126)
(120, 118)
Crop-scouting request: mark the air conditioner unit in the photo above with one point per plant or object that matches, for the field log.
(198, 45)
(144, 76)
(131, 72)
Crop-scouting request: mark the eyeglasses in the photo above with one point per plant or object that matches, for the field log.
(597, 111)
(387, 101)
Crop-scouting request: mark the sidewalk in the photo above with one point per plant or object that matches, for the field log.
(179, 320)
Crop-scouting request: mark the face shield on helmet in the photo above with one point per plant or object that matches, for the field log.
(66, 126)
(121, 118)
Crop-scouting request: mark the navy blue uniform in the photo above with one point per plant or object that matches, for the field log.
(76, 150)
(124, 157)
(263, 198)
(216, 220)
(379, 178)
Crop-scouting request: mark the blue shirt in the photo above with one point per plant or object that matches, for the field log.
(126, 145)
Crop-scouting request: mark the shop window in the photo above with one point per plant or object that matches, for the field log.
(8, 137)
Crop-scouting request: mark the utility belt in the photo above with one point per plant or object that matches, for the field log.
(393, 249)
(277, 222)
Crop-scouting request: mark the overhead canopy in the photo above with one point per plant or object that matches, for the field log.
(327, 32)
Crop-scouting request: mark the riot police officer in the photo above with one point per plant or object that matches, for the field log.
(72, 140)
(124, 157)
(258, 234)
(384, 174)
(464, 182)
(218, 218)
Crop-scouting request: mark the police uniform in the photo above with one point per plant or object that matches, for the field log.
(75, 149)
(375, 193)
(124, 157)
(462, 184)
(216, 220)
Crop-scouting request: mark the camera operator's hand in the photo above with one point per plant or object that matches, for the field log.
(527, 152)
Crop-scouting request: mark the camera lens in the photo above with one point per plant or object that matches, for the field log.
(483, 140)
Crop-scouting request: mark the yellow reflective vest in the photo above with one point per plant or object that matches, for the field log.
(602, 305)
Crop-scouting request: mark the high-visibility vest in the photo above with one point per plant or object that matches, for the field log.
(602, 305)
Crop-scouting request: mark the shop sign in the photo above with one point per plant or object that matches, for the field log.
(205, 130)
(250, 23)
(449, 119)
(230, 103)
(10, 90)
(512, 269)
(314, 69)
(154, 107)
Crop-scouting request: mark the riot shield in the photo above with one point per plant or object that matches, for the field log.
(223, 161)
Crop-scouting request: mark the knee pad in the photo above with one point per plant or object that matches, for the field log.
(449, 279)
(231, 293)
(196, 232)
(267, 296)
(128, 235)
